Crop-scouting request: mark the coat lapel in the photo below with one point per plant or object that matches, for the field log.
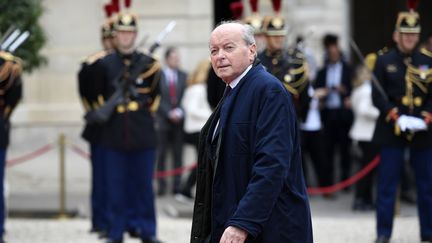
(230, 101)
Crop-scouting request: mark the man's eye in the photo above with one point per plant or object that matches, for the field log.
(213, 52)
(229, 48)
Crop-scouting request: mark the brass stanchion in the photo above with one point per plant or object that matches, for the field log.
(62, 178)
(397, 203)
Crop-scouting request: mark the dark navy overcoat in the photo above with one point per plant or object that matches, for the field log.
(253, 180)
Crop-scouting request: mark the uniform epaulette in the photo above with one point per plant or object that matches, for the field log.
(372, 57)
(426, 52)
(6, 56)
(11, 66)
(94, 57)
(382, 51)
(370, 60)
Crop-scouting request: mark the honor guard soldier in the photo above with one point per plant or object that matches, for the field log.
(289, 66)
(10, 94)
(131, 83)
(405, 104)
(256, 21)
(89, 86)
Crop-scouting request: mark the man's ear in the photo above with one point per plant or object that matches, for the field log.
(396, 36)
(252, 52)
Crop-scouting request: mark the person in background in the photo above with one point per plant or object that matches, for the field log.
(170, 117)
(405, 106)
(10, 95)
(336, 113)
(129, 136)
(288, 65)
(89, 85)
(312, 140)
(365, 115)
(197, 111)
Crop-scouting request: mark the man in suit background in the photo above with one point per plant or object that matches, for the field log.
(170, 116)
(250, 185)
(337, 117)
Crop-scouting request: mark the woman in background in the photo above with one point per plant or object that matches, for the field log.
(197, 111)
(365, 115)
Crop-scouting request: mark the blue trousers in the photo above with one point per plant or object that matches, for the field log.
(2, 203)
(98, 190)
(130, 192)
(389, 173)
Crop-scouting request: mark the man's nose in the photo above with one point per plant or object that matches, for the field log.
(220, 54)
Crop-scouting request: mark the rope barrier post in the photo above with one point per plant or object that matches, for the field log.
(62, 177)
(397, 203)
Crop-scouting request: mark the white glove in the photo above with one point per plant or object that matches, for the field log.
(402, 122)
(416, 124)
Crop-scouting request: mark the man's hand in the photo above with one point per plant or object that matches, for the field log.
(175, 115)
(233, 235)
(320, 93)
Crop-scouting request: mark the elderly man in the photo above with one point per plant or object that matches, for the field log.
(250, 185)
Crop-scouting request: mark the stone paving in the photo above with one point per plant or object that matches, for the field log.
(333, 222)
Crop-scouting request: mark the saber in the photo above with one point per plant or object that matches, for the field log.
(23, 37)
(162, 35)
(374, 79)
(10, 39)
(7, 34)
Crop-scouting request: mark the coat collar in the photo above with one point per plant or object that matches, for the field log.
(227, 105)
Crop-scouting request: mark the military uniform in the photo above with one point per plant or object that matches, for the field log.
(289, 66)
(291, 69)
(10, 94)
(89, 85)
(406, 79)
(129, 138)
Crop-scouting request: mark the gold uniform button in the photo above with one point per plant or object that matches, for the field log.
(133, 106)
(418, 101)
(121, 109)
(274, 61)
(405, 100)
(287, 78)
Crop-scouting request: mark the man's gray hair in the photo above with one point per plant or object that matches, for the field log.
(248, 31)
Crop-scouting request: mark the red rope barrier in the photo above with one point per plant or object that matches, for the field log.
(158, 174)
(312, 191)
(345, 183)
(176, 171)
(29, 156)
(81, 152)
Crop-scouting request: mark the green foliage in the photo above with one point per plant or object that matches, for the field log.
(24, 14)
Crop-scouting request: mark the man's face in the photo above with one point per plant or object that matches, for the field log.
(275, 43)
(125, 39)
(333, 53)
(108, 43)
(173, 60)
(407, 41)
(230, 55)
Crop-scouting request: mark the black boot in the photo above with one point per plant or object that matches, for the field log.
(151, 240)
